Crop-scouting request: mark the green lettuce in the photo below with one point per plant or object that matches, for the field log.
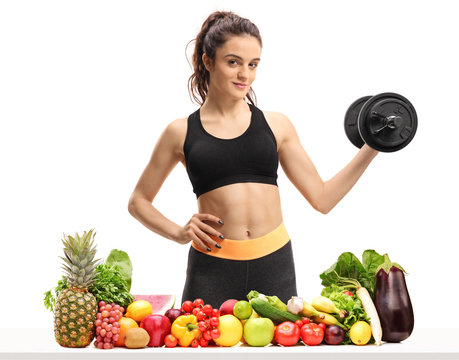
(349, 272)
(352, 305)
(121, 259)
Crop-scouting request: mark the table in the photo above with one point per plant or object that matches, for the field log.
(435, 344)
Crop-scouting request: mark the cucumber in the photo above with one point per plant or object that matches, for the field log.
(265, 309)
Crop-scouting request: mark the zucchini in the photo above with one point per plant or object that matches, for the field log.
(265, 309)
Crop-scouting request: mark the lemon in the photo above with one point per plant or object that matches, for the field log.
(360, 333)
(138, 310)
(230, 328)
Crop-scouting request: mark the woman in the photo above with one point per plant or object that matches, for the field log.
(231, 150)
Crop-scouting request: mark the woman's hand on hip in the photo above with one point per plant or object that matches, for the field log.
(197, 231)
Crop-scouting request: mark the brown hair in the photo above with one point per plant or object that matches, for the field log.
(215, 31)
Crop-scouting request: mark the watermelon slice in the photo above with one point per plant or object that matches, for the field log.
(160, 303)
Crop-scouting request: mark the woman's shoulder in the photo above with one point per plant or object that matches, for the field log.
(175, 134)
(279, 123)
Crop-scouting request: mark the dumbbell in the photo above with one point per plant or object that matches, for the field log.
(386, 122)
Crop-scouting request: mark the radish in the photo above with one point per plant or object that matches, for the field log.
(369, 307)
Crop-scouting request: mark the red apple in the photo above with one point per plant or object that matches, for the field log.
(227, 307)
(157, 326)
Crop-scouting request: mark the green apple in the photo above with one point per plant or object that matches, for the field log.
(259, 331)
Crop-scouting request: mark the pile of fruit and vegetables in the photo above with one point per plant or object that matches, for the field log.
(362, 302)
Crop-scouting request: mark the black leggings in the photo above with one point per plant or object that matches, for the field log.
(216, 280)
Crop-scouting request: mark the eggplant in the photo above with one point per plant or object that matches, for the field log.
(393, 303)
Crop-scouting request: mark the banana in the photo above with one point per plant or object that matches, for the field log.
(324, 304)
(309, 310)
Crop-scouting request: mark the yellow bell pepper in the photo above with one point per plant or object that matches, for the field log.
(185, 329)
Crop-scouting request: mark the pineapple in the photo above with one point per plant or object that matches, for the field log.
(76, 308)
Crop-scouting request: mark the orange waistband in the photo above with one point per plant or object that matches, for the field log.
(251, 248)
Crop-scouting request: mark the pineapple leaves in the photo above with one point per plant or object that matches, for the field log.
(109, 281)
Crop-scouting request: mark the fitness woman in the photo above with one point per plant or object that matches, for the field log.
(231, 150)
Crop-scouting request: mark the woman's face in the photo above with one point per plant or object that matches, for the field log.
(235, 63)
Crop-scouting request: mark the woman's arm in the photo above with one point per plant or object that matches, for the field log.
(298, 167)
(163, 159)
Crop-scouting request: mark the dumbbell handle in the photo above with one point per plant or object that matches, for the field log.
(392, 121)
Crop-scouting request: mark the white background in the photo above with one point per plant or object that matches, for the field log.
(86, 88)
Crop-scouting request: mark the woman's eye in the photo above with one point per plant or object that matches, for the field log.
(233, 62)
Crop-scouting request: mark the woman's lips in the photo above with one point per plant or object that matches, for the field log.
(240, 86)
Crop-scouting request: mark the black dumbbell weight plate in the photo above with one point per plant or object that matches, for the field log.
(351, 122)
(387, 122)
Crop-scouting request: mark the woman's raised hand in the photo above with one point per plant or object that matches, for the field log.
(197, 231)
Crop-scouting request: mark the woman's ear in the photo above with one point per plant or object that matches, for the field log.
(207, 62)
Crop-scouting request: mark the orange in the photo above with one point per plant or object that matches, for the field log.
(139, 309)
(125, 323)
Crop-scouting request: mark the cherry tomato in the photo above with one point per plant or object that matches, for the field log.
(214, 321)
(312, 334)
(170, 341)
(203, 342)
(287, 333)
(207, 335)
(306, 320)
(196, 311)
(215, 333)
(201, 315)
(207, 309)
(322, 325)
(195, 343)
(187, 306)
(299, 323)
(202, 326)
(215, 313)
(198, 303)
(347, 292)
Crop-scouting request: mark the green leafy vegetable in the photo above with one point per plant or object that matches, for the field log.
(122, 260)
(349, 272)
(110, 286)
(51, 295)
(112, 282)
(352, 305)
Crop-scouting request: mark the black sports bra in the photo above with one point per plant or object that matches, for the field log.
(212, 162)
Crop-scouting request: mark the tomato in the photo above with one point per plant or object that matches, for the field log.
(287, 333)
(170, 341)
(215, 313)
(187, 306)
(305, 321)
(214, 321)
(207, 335)
(347, 292)
(200, 315)
(195, 343)
(215, 333)
(198, 303)
(203, 342)
(207, 309)
(322, 325)
(195, 312)
(299, 323)
(311, 334)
